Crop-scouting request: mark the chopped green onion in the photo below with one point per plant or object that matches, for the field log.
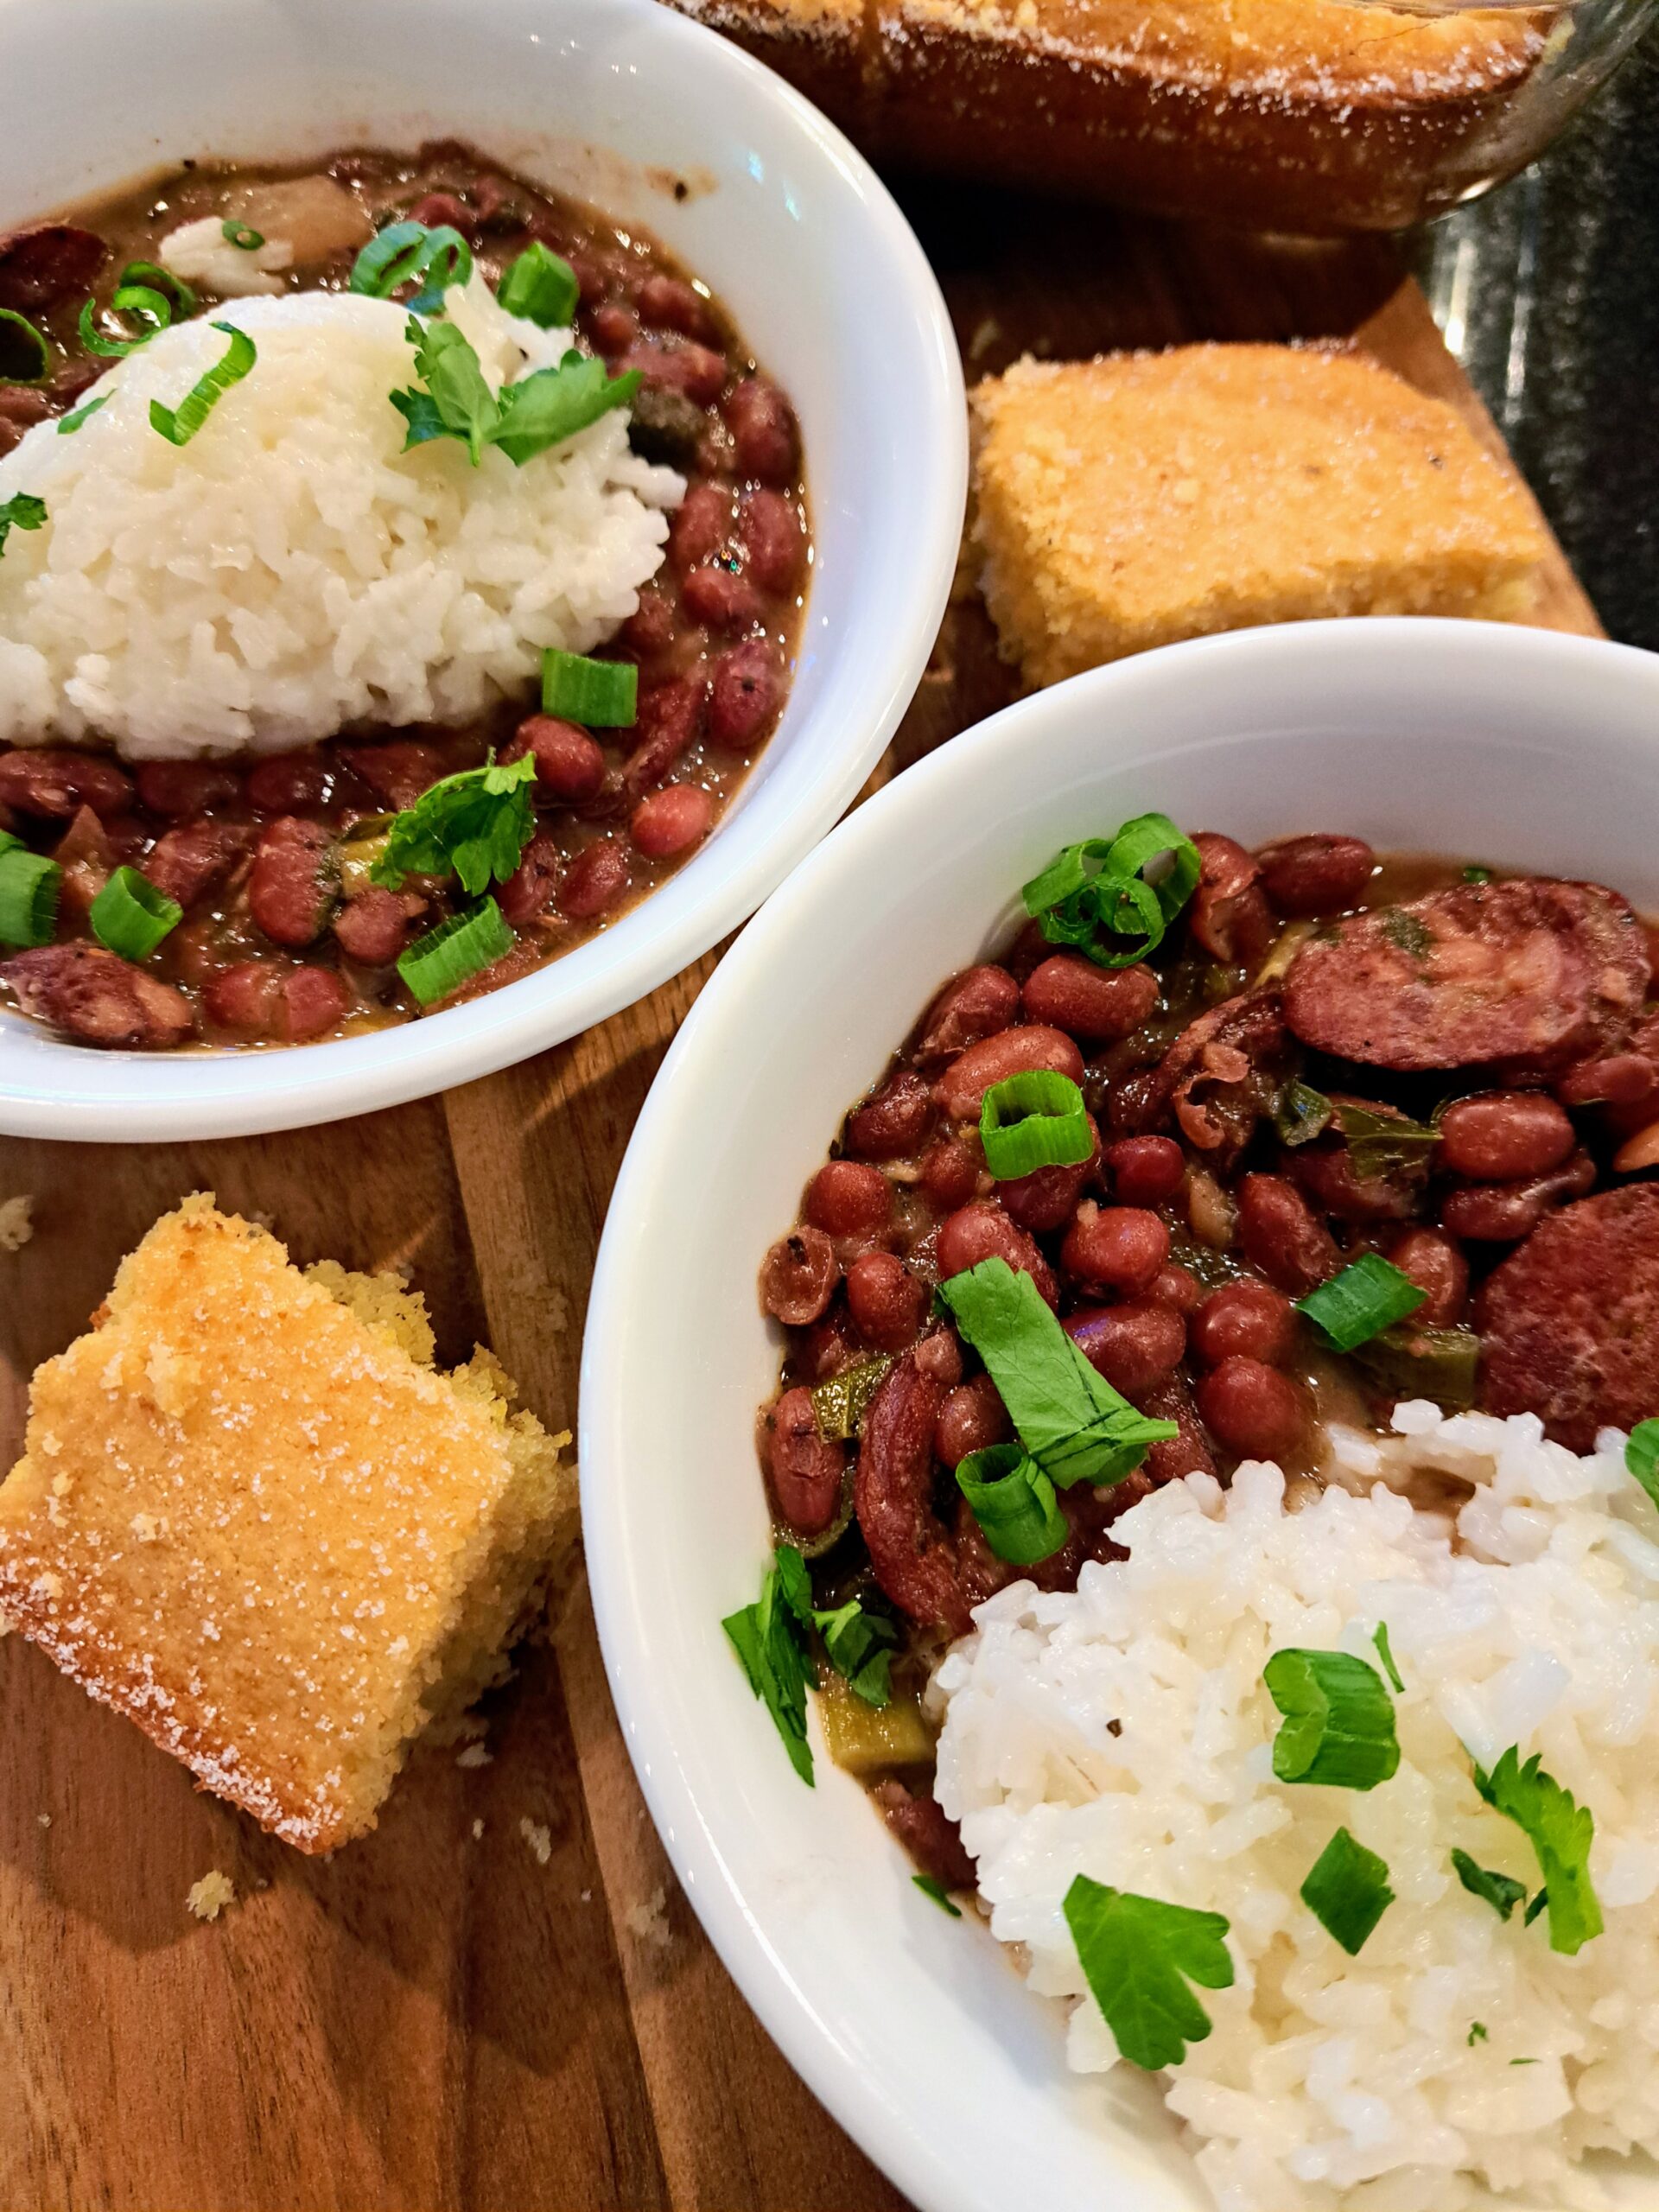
(859, 1646)
(1098, 887)
(840, 1403)
(23, 511)
(70, 423)
(1502, 1891)
(1380, 1639)
(1366, 1298)
(131, 916)
(932, 1886)
(1347, 1891)
(1036, 1119)
(29, 895)
(240, 234)
(1300, 1114)
(767, 1638)
(598, 694)
(162, 280)
(1560, 1832)
(542, 287)
(1338, 1726)
(475, 824)
(446, 957)
(403, 251)
(178, 425)
(1642, 1455)
(1012, 1501)
(1138, 1955)
(35, 349)
(150, 309)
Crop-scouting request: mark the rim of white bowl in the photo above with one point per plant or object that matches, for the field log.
(929, 2172)
(251, 1092)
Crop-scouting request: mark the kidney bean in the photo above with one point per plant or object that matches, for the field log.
(669, 722)
(46, 263)
(1620, 1079)
(933, 1841)
(701, 524)
(939, 1355)
(672, 304)
(679, 365)
(1439, 1270)
(980, 1003)
(1252, 1408)
(972, 1418)
(1134, 1346)
(174, 787)
(1145, 1170)
(886, 1301)
(1229, 914)
(1315, 874)
(1122, 1247)
(912, 1552)
(747, 692)
(314, 999)
(948, 1176)
(97, 998)
(1501, 1213)
(53, 784)
(439, 209)
(1325, 1171)
(186, 861)
(799, 1276)
(1067, 992)
(649, 631)
(847, 1198)
(613, 329)
(720, 601)
(396, 771)
(763, 427)
(1639, 1151)
(1249, 1320)
(805, 1468)
(892, 1121)
(372, 928)
(1504, 1136)
(245, 998)
(1281, 1237)
(773, 543)
(293, 887)
(569, 765)
(962, 1086)
(595, 880)
(831, 1345)
(1176, 1288)
(983, 1231)
(1046, 1199)
(283, 783)
(671, 821)
(529, 890)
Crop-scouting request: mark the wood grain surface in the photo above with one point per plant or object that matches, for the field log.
(434, 2018)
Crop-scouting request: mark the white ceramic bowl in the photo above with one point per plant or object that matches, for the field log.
(1516, 745)
(612, 99)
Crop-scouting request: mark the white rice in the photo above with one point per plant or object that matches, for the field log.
(290, 572)
(1327, 2080)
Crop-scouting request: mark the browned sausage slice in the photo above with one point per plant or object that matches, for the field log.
(1531, 973)
(96, 999)
(1569, 1323)
(48, 263)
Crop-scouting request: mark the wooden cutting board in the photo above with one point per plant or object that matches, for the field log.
(440, 2017)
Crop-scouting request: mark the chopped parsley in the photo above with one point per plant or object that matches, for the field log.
(1338, 1726)
(859, 1647)
(1560, 1832)
(452, 399)
(1641, 1454)
(1476, 2033)
(1404, 932)
(22, 511)
(1347, 1891)
(771, 1638)
(474, 825)
(1502, 1891)
(932, 1886)
(1138, 1954)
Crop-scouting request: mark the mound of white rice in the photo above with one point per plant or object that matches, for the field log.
(1122, 1731)
(289, 571)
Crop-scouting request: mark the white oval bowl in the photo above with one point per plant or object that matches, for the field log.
(1528, 748)
(611, 100)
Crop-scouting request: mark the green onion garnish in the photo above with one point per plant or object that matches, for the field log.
(474, 825)
(1347, 1891)
(1380, 1639)
(1093, 891)
(70, 423)
(402, 253)
(178, 425)
(1560, 1832)
(447, 957)
(131, 916)
(1068, 1418)
(34, 350)
(932, 1886)
(240, 234)
(29, 894)
(1138, 1955)
(598, 694)
(1642, 1455)
(1036, 1119)
(1338, 1727)
(1502, 1891)
(767, 1637)
(23, 511)
(150, 309)
(1012, 1501)
(1365, 1299)
(162, 280)
(542, 287)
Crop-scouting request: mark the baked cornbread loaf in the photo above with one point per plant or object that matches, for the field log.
(1128, 502)
(1309, 114)
(253, 1516)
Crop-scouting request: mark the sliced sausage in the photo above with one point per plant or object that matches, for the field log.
(373, 929)
(177, 788)
(396, 771)
(188, 860)
(96, 999)
(1218, 1078)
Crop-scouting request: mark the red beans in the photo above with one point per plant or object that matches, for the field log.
(1316, 874)
(1280, 1236)
(980, 1003)
(1503, 1135)
(1247, 1320)
(669, 722)
(963, 1084)
(293, 887)
(614, 328)
(847, 1198)
(179, 787)
(806, 1469)
(886, 1301)
(1122, 1247)
(649, 631)
(799, 1277)
(1068, 992)
(763, 428)
(747, 690)
(671, 821)
(55, 785)
(672, 304)
(373, 928)
(949, 1175)
(701, 526)
(1620, 1079)
(439, 209)
(972, 1418)
(1134, 1346)
(1252, 1410)
(773, 544)
(720, 601)
(1437, 1267)
(529, 890)
(680, 365)
(594, 881)
(1501, 1213)
(1228, 915)
(570, 764)
(1176, 1288)
(270, 999)
(1046, 1199)
(314, 999)
(939, 1356)
(283, 783)
(397, 772)
(893, 1121)
(983, 1231)
(1145, 1170)
(186, 861)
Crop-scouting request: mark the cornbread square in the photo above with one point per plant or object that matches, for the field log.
(253, 1516)
(1127, 502)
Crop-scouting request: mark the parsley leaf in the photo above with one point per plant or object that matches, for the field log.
(1560, 1832)
(859, 1647)
(1476, 2033)
(524, 419)
(1339, 1720)
(474, 825)
(1502, 1891)
(1642, 1455)
(22, 511)
(1380, 1142)
(457, 401)
(1347, 1891)
(932, 1886)
(1138, 1955)
(767, 1638)
(545, 409)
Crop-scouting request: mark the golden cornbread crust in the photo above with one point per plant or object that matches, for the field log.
(1128, 502)
(253, 1516)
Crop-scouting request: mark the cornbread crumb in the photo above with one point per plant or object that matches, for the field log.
(1127, 502)
(649, 1920)
(16, 1223)
(43, 1820)
(539, 1838)
(209, 1897)
(251, 1516)
(478, 1830)
(474, 1755)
